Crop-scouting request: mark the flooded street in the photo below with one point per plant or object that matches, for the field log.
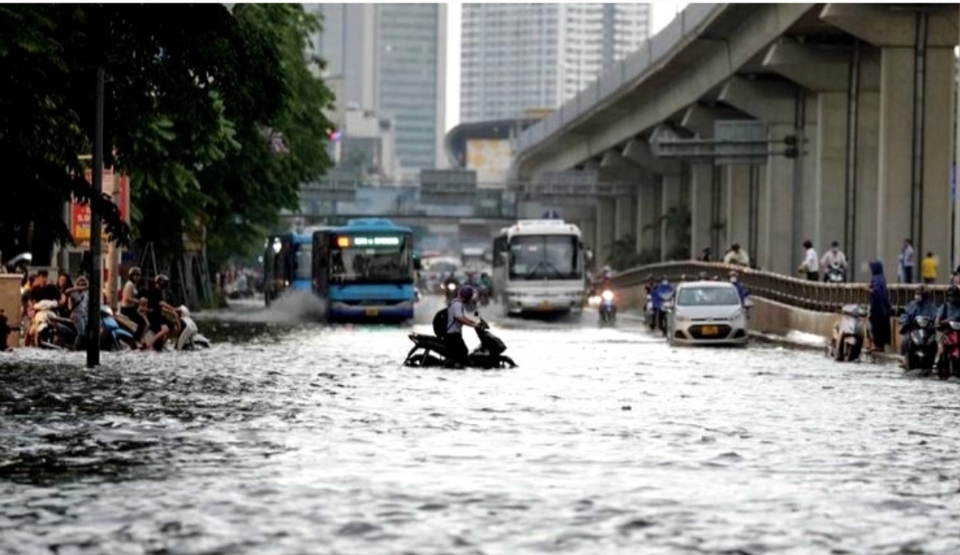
(309, 439)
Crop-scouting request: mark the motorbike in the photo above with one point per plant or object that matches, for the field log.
(658, 319)
(608, 309)
(190, 337)
(849, 334)
(19, 264)
(949, 363)
(921, 347)
(431, 351)
(835, 274)
(483, 296)
(112, 335)
(450, 291)
(53, 331)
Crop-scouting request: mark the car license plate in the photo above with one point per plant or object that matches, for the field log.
(710, 330)
(372, 312)
(544, 306)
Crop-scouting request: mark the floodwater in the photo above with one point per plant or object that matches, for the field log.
(290, 438)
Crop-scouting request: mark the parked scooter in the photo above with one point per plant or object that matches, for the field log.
(949, 363)
(190, 336)
(112, 336)
(19, 264)
(849, 334)
(608, 309)
(921, 344)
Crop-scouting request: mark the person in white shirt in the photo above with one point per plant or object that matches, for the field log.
(811, 263)
(834, 256)
(736, 255)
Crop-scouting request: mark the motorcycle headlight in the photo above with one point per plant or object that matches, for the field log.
(922, 321)
(451, 286)
(607, 295)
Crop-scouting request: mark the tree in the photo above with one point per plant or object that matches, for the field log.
(196, 96)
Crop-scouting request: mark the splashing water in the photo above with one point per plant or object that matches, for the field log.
(292, 307)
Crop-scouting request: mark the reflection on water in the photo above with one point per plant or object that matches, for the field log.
(298, 438)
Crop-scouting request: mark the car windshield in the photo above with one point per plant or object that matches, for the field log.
(545, 257)
(708, 296)
(371, 259)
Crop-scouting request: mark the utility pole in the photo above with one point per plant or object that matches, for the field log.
(93, 293)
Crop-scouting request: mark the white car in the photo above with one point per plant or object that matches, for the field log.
(707, 313)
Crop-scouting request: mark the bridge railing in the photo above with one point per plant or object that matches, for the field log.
(789, 290)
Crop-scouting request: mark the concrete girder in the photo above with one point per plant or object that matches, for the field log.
(770, 101)
(638, 151)
(591, 165)
(816, 67)
(612, 159)
(888, 26)
(701, 119)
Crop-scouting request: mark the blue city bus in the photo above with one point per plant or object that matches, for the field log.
(288, 263)
(366, 271)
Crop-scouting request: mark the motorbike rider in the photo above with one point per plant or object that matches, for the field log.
(451, 279)
(487, 283)
(835, 260)
(921, 305)
(661, 290)
(156, 308)
(949, 311)
(456, 319)
(129, 301)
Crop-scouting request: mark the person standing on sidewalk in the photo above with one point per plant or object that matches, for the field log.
(811, 262)
(929, 269)
(907, 261)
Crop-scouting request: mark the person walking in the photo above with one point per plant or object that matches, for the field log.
(929, 268)
(811, 262)
(880, 307)
(907, 258)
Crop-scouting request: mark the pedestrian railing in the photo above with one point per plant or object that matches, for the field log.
(792, 291)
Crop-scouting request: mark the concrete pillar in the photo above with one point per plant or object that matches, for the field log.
(737, 219)
(776, 252)
(648, 213)
(625, 209)
(672, 196)
(931, 209)
(605, 229)
(701, 207)
(830, 158)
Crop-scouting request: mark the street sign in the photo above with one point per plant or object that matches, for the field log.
(80, 213)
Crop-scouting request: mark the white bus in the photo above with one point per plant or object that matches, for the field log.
(538, 267)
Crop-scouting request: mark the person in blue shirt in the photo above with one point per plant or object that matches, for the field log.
(741, 288)
(661, 291)
(921, 305)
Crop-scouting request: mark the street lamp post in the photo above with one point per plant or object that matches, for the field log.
(93, 293)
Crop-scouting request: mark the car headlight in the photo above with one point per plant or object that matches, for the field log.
(607, 295)
(679, 318)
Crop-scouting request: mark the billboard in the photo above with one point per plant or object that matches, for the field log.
(80, 213)
(490, 158)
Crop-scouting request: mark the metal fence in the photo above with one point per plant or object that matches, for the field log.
(791, 291)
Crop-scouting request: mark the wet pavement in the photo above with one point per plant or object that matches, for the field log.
(301, 438)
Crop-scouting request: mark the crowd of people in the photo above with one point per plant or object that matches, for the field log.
(143, 303)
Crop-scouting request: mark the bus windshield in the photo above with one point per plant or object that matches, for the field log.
(303, 261)
(386, 258)
(545, 257)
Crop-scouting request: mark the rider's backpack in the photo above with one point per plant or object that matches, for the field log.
(440, 323)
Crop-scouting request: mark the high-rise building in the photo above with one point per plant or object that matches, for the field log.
(392, 60)
(515, 57)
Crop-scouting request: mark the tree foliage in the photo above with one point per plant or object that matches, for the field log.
(198, 98)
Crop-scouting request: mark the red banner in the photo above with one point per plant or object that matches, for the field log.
(80, 213)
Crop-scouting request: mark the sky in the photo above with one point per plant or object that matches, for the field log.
(663, 13)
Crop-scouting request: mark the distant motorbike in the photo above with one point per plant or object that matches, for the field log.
(190, 337)
(607, 310)
(483, 296)
(949, 363)
(836, 273)
(849, 333)
(921, 344)
(431, 351)
(450, 291)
